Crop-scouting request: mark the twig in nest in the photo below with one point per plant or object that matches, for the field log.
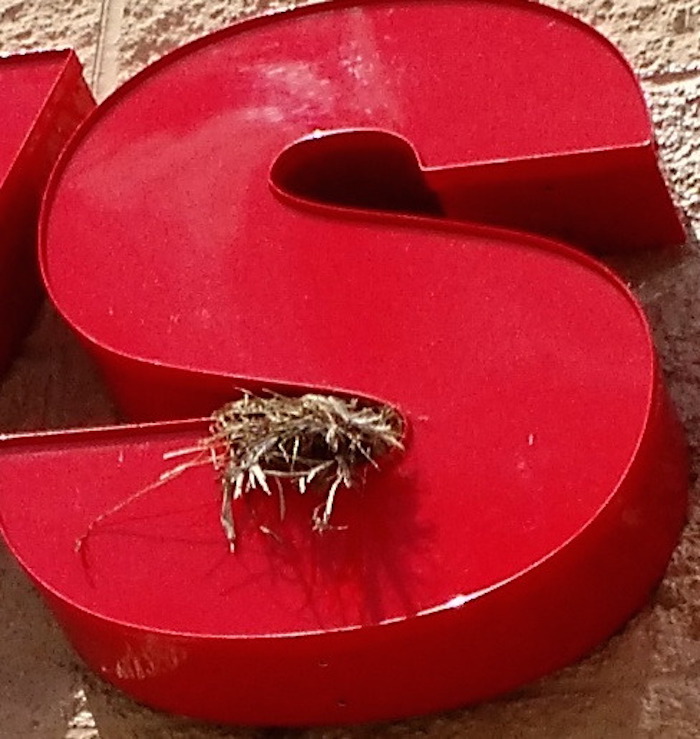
(314, 441)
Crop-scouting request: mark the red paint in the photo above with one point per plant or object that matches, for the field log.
(43, 98)
(223, 242)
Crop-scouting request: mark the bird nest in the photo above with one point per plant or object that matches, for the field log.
(319, 443)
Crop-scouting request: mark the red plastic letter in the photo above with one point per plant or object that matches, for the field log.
(316, 202)
(43, 98)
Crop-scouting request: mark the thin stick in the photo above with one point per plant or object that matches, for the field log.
(164, 477)
(226, 518)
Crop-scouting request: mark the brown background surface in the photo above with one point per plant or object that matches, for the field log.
(645, 682)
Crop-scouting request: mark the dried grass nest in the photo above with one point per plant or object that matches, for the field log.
(315, 442)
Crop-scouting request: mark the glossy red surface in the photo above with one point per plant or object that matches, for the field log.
(243, 224)
(43, 98)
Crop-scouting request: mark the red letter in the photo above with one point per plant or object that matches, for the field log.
(236, 217)
(43, 98)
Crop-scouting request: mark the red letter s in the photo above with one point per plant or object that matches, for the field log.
(293, 204)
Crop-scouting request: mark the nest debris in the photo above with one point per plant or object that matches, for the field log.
(319, 442)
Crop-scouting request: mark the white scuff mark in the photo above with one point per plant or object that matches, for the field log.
(148, 660)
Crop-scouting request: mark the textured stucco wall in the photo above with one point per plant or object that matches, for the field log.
(644, 682)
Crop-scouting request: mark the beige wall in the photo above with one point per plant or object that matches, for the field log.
(644, 682)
